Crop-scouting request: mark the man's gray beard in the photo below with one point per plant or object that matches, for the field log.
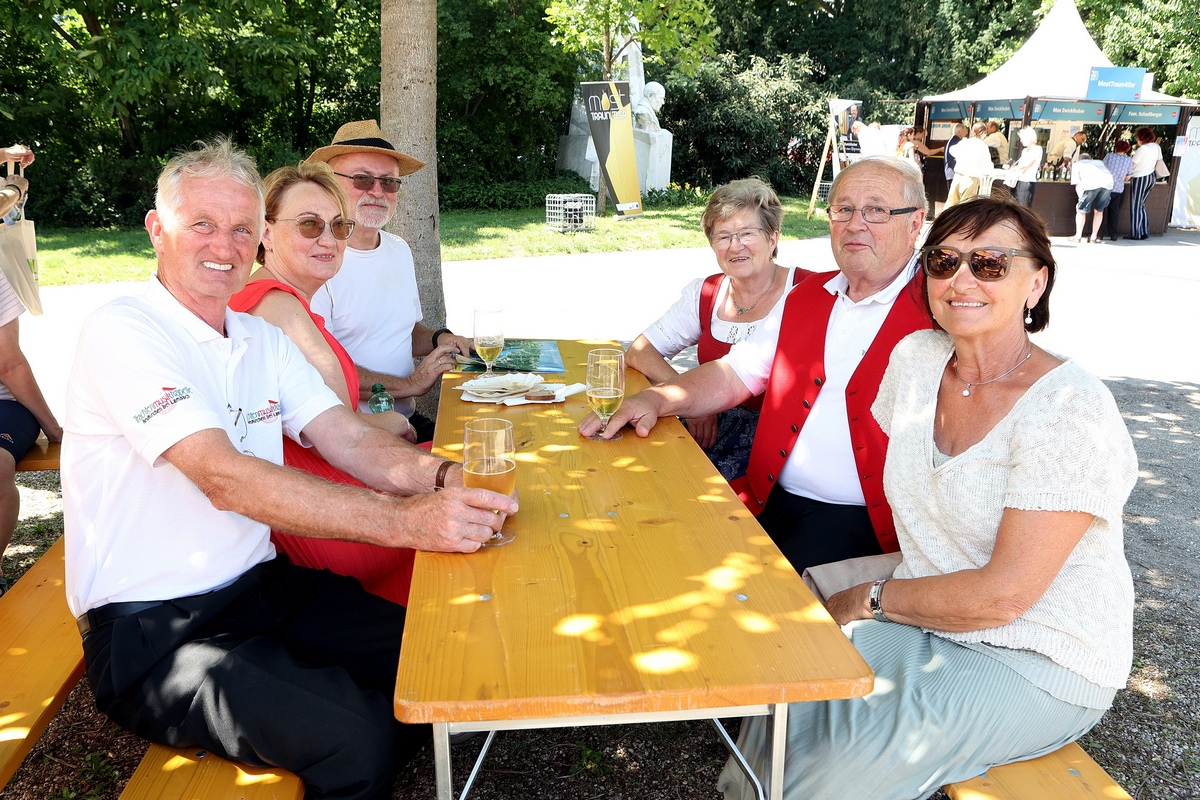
(370, 215)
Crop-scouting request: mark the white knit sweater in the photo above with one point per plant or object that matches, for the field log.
(1062, 447)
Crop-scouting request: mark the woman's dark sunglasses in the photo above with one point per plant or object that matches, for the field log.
(364, 182)
(986, 263)
(313, 227)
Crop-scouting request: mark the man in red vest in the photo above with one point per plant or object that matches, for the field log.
(815, 479)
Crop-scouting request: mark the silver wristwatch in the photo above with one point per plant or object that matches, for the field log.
(873, 600)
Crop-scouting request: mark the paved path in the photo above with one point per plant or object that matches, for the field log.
(1125, 309)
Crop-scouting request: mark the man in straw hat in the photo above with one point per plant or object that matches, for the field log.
(372, 306)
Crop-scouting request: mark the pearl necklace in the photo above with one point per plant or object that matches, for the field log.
(750, 308)
(967, 391)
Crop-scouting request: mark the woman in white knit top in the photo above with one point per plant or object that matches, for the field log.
(1008, 627)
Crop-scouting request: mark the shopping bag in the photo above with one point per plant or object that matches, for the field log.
(18, 262)
(1160, 170)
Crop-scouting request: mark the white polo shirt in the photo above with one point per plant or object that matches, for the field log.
(147, 374)
(821, 465)
(371, 306)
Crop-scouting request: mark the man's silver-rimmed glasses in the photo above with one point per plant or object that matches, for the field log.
(873, 214)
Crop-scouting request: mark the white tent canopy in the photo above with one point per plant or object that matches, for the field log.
(1055, 63)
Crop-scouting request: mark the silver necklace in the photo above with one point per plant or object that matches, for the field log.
(750, 308)
(967, 391)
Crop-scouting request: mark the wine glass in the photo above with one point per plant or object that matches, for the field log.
(489, 462)
(489, 336)
(605, 385)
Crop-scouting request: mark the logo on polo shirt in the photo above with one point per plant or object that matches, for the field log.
(268, 414)
(163, 404)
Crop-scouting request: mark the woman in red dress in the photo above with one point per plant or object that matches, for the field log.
(302, 247)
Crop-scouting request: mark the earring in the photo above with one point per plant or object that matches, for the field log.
(1028, 316)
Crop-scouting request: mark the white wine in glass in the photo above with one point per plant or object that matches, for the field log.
(489, 336)
(605, 385)
(489, 462)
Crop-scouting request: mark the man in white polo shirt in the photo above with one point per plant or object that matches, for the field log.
(194, 632)
(815, 479)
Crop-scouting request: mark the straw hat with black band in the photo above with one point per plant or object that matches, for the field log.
(364, 136)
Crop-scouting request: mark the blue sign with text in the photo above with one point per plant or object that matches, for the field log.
(1116, 84)
(1147, 115)
(1068, 110)
(998, 109)
(947, 111)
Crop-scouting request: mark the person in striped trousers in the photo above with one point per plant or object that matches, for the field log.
(1141, 181)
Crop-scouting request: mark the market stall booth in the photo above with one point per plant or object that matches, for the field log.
(1059, 83)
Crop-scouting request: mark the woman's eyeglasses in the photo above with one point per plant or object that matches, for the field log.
(986, 263)
(747, 237)
(313, 227)
(364, 182)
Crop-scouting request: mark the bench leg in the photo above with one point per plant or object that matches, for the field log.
(778, 750)
(441, 760)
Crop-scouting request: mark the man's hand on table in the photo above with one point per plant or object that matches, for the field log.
(459, 344)
(638, 410)
(455, 520)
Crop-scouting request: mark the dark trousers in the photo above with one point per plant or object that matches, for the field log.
(1112, 214)
(810, 532)
(1024, 193)
(288, 667)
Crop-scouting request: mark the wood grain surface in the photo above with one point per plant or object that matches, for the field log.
(637, 583)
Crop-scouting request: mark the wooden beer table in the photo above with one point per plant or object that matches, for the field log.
(638, 589)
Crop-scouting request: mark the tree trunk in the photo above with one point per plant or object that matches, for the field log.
(408, 107)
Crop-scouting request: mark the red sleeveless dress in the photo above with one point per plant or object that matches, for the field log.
(385, 571)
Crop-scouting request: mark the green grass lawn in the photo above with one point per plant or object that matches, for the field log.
(72, 256)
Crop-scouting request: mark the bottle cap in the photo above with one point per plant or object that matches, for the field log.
(377, 388)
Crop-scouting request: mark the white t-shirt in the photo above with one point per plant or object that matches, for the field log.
(147, 374)
(1145, 158)
(1031, 157)
(1090, 174)
(821, 465)
(10, 309)
(679, 328)
(371, 306)
(971, 158)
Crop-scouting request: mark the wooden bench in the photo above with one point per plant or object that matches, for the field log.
(41, 657)
(41, 660)
(43, 455)
(1067, 773)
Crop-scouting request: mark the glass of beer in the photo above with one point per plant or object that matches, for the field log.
(605, 385)
(489, 462)
(489, 336)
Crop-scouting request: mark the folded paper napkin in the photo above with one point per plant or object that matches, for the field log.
(561, 392)
(494, 388)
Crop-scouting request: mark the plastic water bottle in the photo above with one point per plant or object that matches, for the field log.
(380, 400)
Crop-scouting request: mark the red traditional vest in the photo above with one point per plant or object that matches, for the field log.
(797, 375)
